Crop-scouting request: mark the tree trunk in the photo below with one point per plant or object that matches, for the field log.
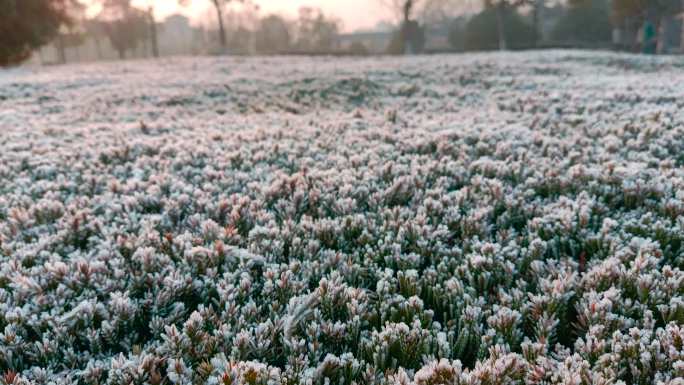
(98, 48)
(61, 49)
(406, 38)
(535, 23)
(222, 29)
(153, 33)
(661, 35)
(408, 6)
(500, 8)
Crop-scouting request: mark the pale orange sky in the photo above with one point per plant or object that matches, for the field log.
(355, 14)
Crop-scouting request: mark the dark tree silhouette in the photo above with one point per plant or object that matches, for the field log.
(655, 11)
(585, 22)
(218, 6)
(28, 24)
(124, 25)
(153, 31)
(273, 35)
(501, 9)
(483, 30)
(316, 32)
(411, 34)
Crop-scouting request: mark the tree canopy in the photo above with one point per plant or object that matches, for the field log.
(482, 31)
(124, 25)
(586, 21)
(28, 24)
(273, 35)
(639, 9)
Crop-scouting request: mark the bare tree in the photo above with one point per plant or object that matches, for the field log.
(423, 10)
(409, 11)
(71, 35)
(219, 7)
(148, 6)
(153, 31)
(398, 7)
(538, 7)
(413, 15)
(407, 8)
(124, 25)
(316, 32)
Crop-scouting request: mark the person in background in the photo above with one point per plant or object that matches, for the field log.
(649, 39)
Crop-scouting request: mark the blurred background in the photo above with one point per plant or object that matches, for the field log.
(46, 32)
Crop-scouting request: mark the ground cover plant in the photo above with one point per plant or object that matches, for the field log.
(482, 219)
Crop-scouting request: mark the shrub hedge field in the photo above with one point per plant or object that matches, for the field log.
(487, 219)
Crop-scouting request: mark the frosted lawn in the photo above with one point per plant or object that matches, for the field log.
(480, 219)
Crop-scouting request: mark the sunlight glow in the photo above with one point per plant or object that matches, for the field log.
(354, 14)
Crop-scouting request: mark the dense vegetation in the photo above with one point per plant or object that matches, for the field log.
(482, 34)
(587, 23)
(28, 24)
(490, 219)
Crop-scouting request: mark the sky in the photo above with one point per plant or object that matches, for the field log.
(355, 14)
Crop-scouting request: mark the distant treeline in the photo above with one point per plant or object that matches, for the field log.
(127, 30)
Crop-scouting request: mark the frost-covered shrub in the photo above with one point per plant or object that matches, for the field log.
(513, 219)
